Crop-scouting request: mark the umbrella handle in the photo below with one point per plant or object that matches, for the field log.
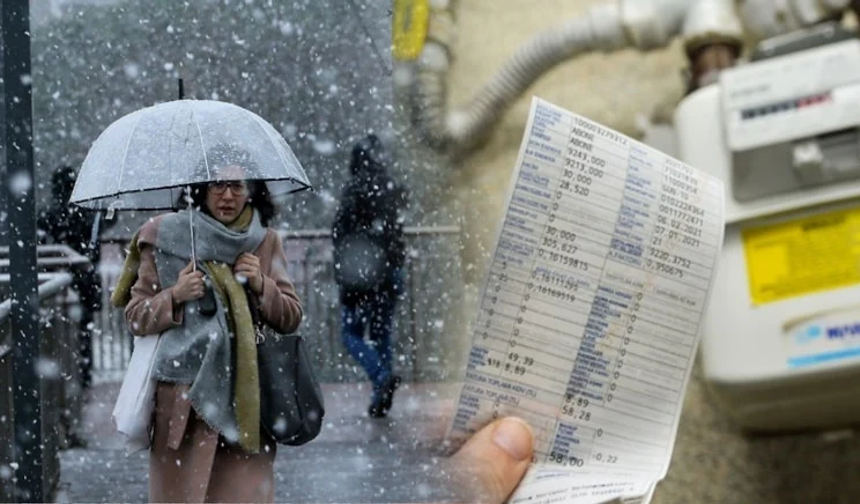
(191, 226)
(207, 304)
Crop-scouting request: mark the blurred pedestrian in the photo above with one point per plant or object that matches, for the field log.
(78, 228)
(369, 256)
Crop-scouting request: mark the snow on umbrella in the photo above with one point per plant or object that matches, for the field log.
(144, 160)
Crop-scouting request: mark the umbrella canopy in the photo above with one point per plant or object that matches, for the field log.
(143, 160)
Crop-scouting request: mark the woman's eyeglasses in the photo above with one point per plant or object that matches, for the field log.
(238, 188)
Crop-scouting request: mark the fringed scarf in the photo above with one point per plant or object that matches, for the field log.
(199, 355)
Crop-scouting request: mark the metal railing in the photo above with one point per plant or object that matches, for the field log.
(50, 256)
(430, 305)
(60, 395)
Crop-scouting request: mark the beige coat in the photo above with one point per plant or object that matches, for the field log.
(188, 461)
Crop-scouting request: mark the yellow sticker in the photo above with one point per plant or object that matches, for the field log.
(409, 28)
(802, 256)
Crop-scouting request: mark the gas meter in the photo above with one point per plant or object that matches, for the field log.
(781, 342)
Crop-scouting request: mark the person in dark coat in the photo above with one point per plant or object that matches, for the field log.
(77, 228)
(370, 253)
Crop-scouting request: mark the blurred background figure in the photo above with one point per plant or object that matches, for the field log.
(78, 228)
(369, 253)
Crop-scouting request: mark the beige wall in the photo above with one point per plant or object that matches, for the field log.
(713, 462)
(613, 89)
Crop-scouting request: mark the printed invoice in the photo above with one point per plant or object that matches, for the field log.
(588, 320)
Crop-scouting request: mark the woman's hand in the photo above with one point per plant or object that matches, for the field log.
(189, 286)
(248, 267)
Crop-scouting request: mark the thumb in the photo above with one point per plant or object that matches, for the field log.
(495, 459)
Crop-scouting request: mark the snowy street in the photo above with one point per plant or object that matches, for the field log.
(355, 459)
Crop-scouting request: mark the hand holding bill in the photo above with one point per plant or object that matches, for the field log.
(494, 460)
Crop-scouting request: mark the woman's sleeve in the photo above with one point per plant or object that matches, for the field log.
(151, 309)
(280, 307)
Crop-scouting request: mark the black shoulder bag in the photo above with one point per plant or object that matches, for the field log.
(291, 402)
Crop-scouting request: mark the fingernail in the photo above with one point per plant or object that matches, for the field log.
(514, 436)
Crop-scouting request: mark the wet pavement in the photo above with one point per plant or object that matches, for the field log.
(355, 458)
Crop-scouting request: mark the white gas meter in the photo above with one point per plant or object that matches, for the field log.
(781, 343)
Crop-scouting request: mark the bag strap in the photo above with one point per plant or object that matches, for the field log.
(254, 308)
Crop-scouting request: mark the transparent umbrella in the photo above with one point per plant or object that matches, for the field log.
(144, 160)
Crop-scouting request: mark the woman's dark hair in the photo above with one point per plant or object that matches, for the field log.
(223, 155)
(258, 197)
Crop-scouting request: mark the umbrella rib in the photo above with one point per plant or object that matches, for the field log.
(272, 140)
(125, 152)
(202, 145)
(170, 164)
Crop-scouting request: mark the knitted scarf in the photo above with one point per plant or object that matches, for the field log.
(198, 354)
